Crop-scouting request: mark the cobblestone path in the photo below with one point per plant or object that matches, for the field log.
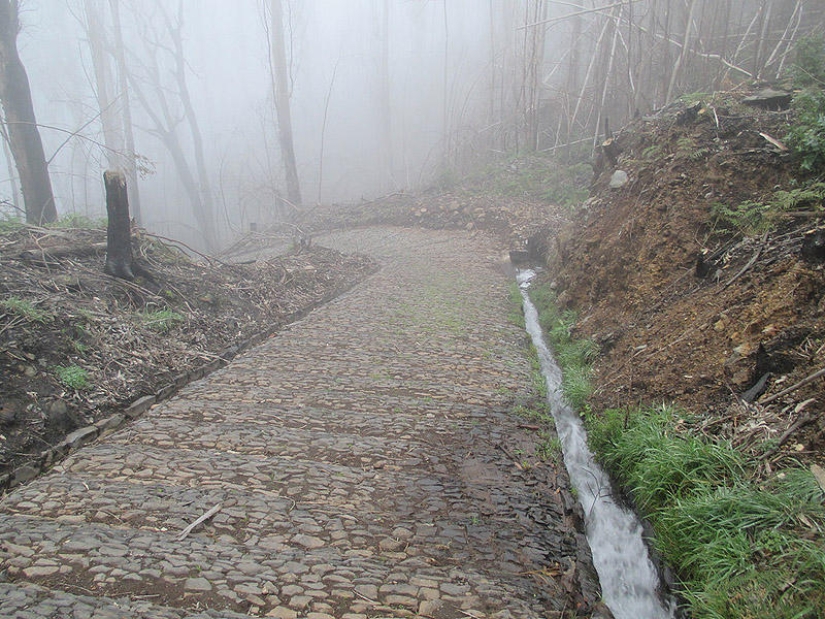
(364, 462)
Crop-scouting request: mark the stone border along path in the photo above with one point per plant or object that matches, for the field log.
(358, 460)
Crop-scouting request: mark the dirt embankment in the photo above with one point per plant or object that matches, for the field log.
(684, 305)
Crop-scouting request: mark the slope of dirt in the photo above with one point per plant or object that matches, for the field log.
(685, 307)
(77, 346)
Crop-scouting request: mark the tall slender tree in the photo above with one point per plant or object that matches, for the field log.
(169, 107)
(281, 91)
(24, 137)
(126, 105)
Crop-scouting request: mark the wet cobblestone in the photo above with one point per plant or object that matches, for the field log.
(354, 460)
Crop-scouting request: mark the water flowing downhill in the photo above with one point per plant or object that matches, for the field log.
(630, 582)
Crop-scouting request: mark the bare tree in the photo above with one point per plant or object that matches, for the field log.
(166, 118)
(281, 91)
(109, 116)
(24, 137)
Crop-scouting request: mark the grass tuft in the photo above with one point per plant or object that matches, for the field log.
(162, 320)
(739, 547)
(73, 376)
(25, 309)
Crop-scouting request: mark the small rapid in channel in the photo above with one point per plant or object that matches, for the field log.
(629, 580)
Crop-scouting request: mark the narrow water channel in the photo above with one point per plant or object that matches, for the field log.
(630, 582)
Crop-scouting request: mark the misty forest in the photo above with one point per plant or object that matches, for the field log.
(439, 309)
(231, 115)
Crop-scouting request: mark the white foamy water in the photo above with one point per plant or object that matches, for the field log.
(630, 582)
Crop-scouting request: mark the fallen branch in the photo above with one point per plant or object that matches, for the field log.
(62, 251)
(796, 425)
(185, 533)
(792, 388)
(750, 263)
(774, 142)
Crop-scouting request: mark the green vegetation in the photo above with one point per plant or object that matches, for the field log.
(740, 547)
(692, 98)
(10, 223)
(654, 151)
(543, 178)
(549, 449)
(807, 136)
(516, 311)
(73, 376)
(73, 220)
(162, 320)
(750, 218)
(747, 218)
(574, 356)
(809, 67)
(25, 309)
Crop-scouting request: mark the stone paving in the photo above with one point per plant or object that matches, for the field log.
(360, 463)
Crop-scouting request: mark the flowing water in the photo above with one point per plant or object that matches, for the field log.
(630, 582)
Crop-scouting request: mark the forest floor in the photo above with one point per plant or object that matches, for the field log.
(76, 345)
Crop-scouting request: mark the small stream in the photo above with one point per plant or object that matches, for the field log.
(630, 582)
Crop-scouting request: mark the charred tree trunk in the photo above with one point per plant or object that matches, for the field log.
(24, 137)
(119, 233)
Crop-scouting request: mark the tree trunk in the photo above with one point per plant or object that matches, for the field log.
(385, 102)
(674, 76)
(280, 79)
(118, 232)
(112, 137)
(24, 136)
(15, 186)
(207, 203)
(126, 102)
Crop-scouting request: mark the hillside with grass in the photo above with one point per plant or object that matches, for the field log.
(686, 301)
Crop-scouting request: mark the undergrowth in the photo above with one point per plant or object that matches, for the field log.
(750, 217)
(806, 137)
(24, 309)
(742, 547)
(574, 355)
(543, 178)
(73, 376)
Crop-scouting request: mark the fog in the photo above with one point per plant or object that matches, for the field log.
(385, 95)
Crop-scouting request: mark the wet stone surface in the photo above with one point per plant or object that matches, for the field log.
(358, 460)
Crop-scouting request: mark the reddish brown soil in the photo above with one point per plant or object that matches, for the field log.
(628, 264)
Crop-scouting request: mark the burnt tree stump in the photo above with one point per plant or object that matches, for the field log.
(119, 259)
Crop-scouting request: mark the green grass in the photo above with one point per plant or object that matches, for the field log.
(161, 320)
(575, 356)
(25, 309)
(740, 547)
(544, 178)
(73, 376)
(9, 224)
(75, 221)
